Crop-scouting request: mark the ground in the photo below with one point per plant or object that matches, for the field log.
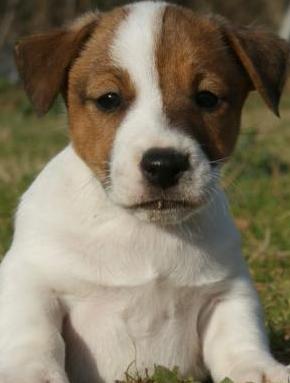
(257, 179)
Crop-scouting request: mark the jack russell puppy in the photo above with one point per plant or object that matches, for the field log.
(124, 250)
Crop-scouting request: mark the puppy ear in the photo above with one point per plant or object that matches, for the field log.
(264, 56)
(43, 60)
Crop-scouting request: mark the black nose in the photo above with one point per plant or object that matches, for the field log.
(163, 167)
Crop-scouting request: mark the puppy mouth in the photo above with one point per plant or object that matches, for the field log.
(165, 211)
(165, 205)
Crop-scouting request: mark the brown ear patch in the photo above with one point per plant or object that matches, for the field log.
(94, 74)
(264, 57)
(43, 61)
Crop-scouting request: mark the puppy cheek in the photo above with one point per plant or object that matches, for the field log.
(126, 183)
(203, 178)
(92, 135)
(222, 133)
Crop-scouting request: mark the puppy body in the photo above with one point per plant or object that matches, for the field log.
(125, 290)
(101, 274)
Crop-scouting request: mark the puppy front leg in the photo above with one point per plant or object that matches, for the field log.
(31, 347)
(235, 344)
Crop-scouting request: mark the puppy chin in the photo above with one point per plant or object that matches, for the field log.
(165, 212)
(164, 209)
(164, 217)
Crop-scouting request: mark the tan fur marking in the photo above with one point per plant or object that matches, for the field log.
(207, 53)
(44, 60)
(265, 58)
(192, 57)
(93, 74)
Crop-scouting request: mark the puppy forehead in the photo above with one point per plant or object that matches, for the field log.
(135, 42)
(148, 39)
(154, 33)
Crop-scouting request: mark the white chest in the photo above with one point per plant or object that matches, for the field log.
(115, 328)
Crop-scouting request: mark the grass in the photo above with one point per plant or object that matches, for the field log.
(257, 180)
(159, 375)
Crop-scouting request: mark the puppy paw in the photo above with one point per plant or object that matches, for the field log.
(277, 374)
(271, 373)
(32, 373)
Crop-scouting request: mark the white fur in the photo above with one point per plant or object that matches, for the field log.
(146, 125)
(85, 273)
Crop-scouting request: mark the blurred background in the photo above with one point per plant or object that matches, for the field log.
(257, 178)
(21, 17)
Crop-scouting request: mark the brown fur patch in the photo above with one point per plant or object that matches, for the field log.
(93, 74)
(265, 58)
(194, 54)
(44, 60)
(192, 57)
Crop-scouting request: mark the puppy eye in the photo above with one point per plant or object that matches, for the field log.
(109, 102)
(207, 100)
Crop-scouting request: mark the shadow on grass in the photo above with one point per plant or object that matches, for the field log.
(280, 345)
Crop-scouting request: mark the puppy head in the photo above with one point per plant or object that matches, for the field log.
(154, 95)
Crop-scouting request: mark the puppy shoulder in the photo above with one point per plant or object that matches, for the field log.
(56, 199)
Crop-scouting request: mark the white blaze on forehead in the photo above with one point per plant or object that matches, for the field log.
(134, 49)
(145, 126)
